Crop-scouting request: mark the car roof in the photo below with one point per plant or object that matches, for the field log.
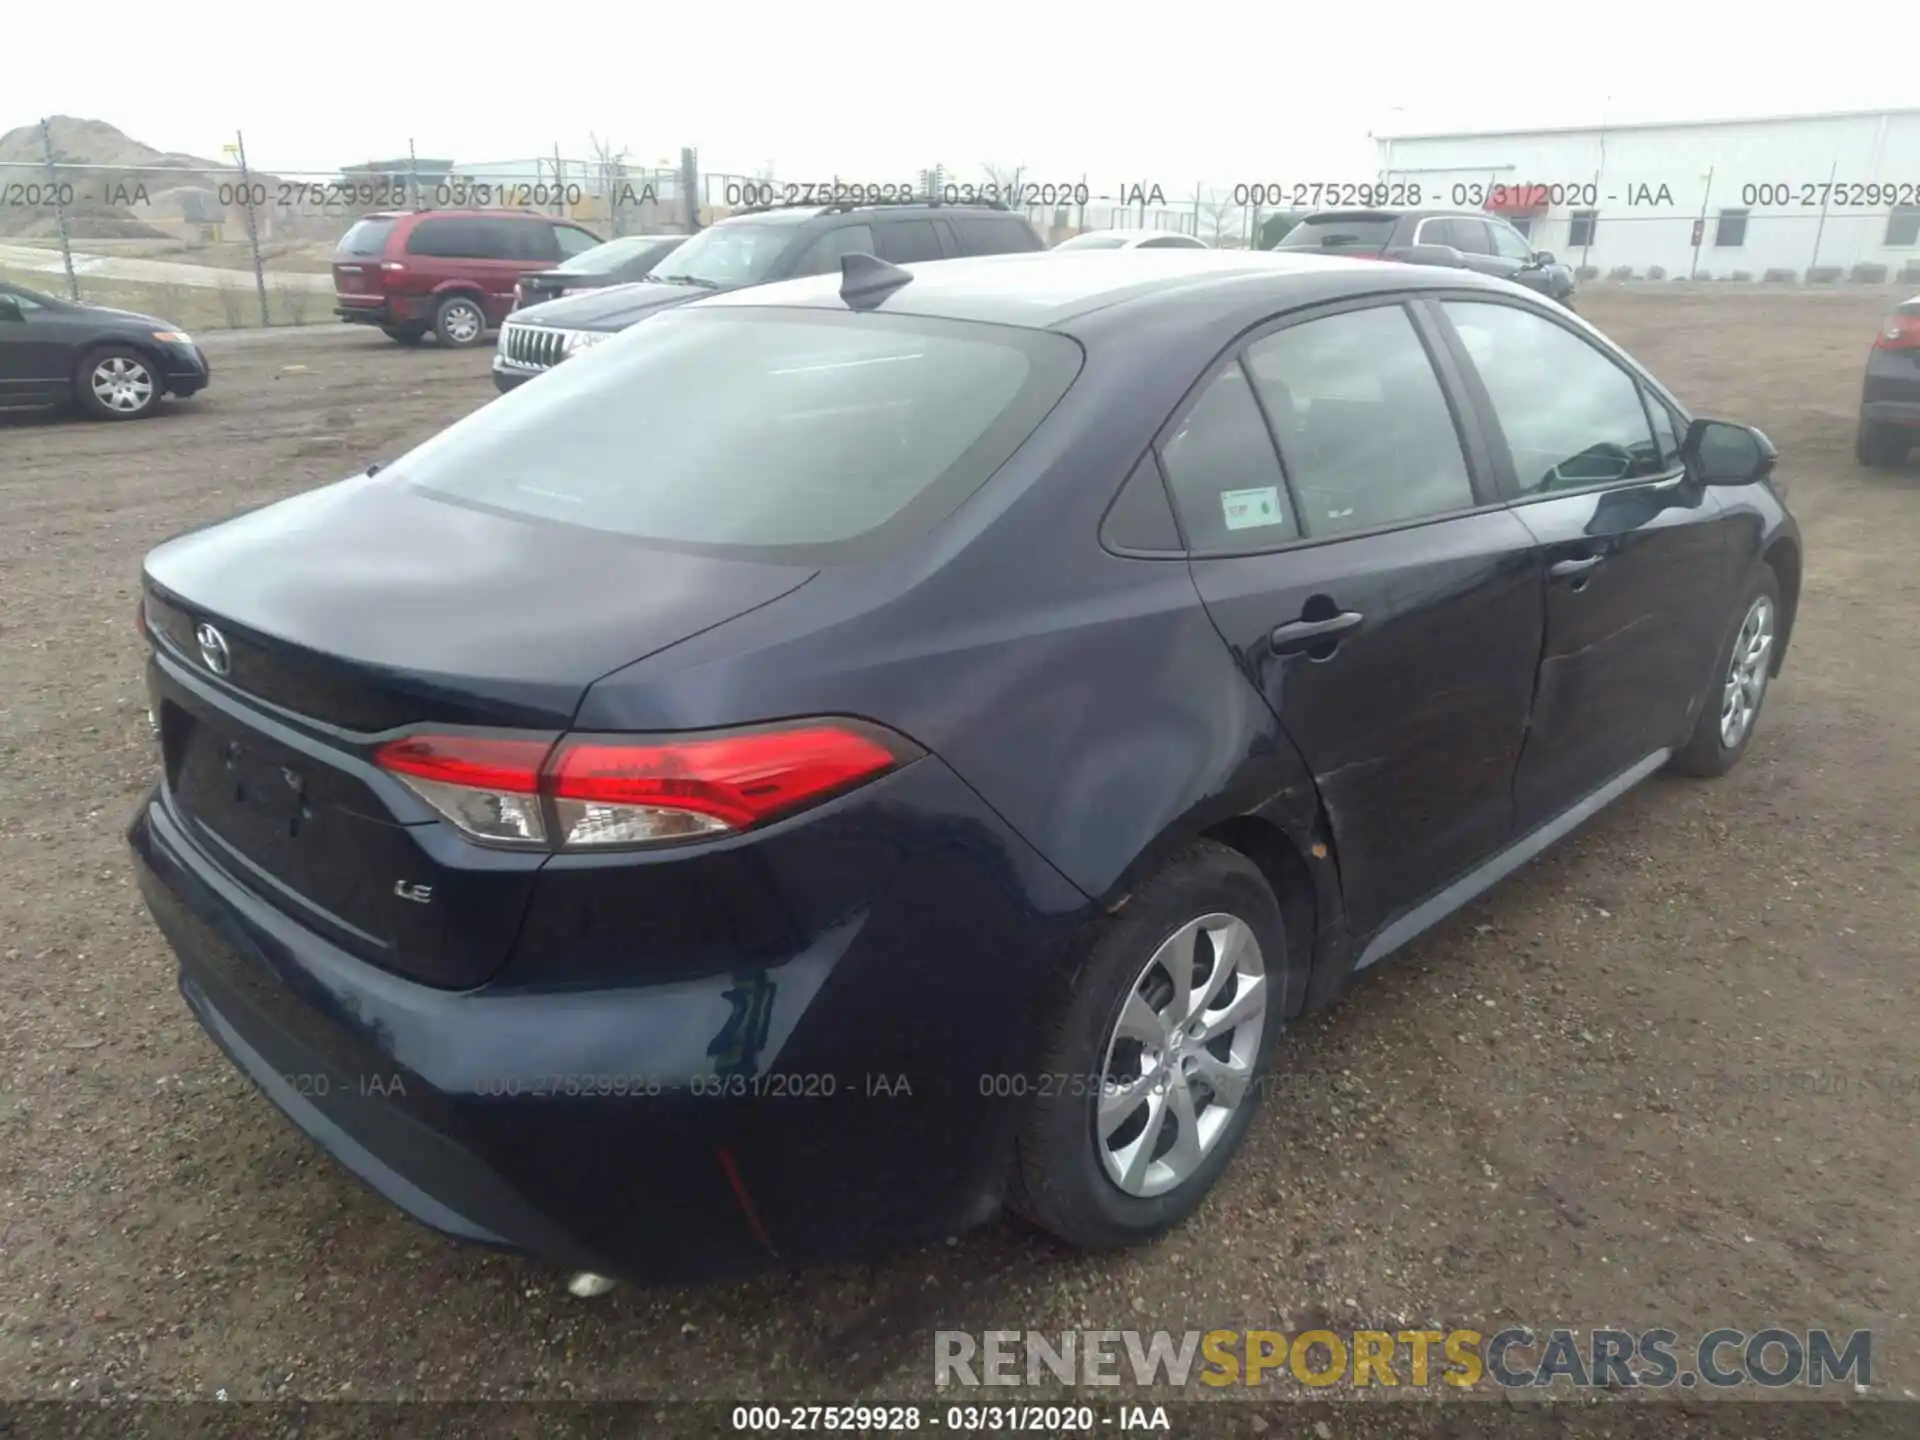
(1043, 289)
(800, 214)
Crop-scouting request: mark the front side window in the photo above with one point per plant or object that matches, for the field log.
(802, 435)
(1364, 427)
(1508, 242)
(574, 241)
(1226, 481)
(1571, 417)
(904, 241)
(823, 256)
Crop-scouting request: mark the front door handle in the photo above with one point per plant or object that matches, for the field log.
(1574, 571)
(1305, 634)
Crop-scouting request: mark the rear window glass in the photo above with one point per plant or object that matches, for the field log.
(806, 435)
(1338, 232)
(616, 254)
(367, 237)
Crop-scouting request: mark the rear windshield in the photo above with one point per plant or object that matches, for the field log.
(607, 258)
(367, 237)
(803, 435)
(1337, 232)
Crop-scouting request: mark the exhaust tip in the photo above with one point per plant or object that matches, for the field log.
(586, 1285)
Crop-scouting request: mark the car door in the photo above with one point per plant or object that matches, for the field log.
(517, 246)
(1371, 584)
(1634, 553)
(37, 353)
(1515, 255)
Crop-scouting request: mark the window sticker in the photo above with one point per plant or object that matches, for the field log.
(1252, 509)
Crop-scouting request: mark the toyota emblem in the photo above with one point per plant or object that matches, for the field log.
(213, 649)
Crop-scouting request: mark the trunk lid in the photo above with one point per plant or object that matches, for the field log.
(365, 607)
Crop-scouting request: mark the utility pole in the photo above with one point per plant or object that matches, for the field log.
(253, 229)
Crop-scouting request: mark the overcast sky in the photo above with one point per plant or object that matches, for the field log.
(1171, 94)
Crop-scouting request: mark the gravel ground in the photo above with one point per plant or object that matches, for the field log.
(1664, 1076)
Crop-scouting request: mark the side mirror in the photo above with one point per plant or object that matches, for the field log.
(1427, 255)
(1543, 258)
(1722, 453)
(10, 309)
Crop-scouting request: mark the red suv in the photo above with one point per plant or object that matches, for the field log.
(448, 271)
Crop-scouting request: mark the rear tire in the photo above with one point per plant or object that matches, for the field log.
(1731, 710)
(1881, 446)
(407, 335)
(459, 322)
(118, 382)
(1177, 1097)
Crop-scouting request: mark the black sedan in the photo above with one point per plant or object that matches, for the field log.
(846, 756)
(618, 262)
(1890, 398)
(111, 364)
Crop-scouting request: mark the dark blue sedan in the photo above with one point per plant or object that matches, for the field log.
(849, 756)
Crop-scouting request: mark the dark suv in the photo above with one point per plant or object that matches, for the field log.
(1465, 238)
(1890, 399)
(448, 271)
(756, 247)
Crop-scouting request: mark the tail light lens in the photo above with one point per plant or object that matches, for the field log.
(582, 792)
(1901, 332)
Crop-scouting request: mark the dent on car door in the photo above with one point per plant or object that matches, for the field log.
(1386, 607)
(1633, 551)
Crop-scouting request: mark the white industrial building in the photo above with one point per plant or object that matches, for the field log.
(1823, 193)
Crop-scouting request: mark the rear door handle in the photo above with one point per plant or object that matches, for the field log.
(1305, 634)
(1573, 571)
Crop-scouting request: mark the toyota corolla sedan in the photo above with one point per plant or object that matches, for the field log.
(854, 755)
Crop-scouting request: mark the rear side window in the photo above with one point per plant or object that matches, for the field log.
(1224, 475)
(1571, 417)
(824, 254)
(1340, 232)
(1363, 424)
(367, 237)
(464, 238)
(804, 435)
(994, 235)
(904, 241)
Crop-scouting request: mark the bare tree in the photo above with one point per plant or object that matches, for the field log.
(610, 171)
(1004, 181)
(1214, 215)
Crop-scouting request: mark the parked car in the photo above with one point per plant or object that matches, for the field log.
(754, 248)
(1469, 239)
(847, 755)
(618, 262)
(110, 364)
(1890, 398)
(1133, 240)
(451, 272)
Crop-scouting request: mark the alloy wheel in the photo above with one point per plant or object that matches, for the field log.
(122, 383)
(1746, 673)
(1179, 1060)
(462, 323)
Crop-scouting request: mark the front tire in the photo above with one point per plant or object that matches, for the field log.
(1732, 708)
(1153, 1070)
(1881, 446)
(459, 322)
(117, 382)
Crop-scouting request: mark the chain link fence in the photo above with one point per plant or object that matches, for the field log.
(233, 242)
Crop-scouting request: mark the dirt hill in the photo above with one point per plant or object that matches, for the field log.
(122, 201)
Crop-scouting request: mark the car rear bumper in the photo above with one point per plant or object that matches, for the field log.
(1905, 413)
(381, 310)
(631, 1129)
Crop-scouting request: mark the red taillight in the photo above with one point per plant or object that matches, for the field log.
(609, 790)
(1901, 332)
